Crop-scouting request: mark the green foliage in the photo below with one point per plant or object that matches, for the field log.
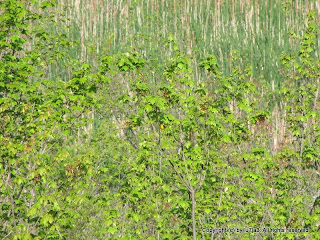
(34, 114)
(210, 64)
(129, 62)
(132, 148)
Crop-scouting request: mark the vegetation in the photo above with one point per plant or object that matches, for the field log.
(150, 137)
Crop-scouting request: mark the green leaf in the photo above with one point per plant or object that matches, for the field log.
(181, 65)
(47, 219)
(112, 230)
(226, 138)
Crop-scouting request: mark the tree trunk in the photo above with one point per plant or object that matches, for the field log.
(193, 214)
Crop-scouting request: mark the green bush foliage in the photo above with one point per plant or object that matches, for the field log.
(135, 149)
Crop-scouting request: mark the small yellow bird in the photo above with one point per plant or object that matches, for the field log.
(161, 126)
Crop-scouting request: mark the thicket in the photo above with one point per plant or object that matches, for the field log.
(132, 148)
